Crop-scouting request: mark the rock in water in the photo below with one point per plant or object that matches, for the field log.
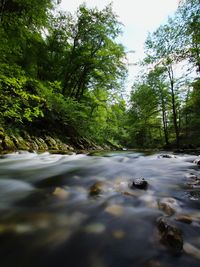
(139, 183)
(197, 161)
(96, 189)
(166, 156)
(171, 236)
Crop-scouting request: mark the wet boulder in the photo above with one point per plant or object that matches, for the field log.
(193, 181)
(139, 183)
(170, 236)
(184, 218)
(168, 205)
(197, 161)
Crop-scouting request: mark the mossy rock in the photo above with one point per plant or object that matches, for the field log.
(8, 144)
(20, 143)
(51, 143)
(32, 145)
(41, 144)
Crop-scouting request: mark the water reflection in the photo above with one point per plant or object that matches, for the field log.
(79, 210)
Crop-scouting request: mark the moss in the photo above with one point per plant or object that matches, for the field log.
(8, 144)
(20, 143)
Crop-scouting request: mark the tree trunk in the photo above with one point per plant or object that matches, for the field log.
(174, 111)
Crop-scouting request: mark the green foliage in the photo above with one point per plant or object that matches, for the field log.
(94, 59)
(174, 108)
(144, 119)
(64, 73)
(17, 103)
(56, 70)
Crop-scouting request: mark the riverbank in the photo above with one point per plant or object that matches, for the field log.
(24, 141)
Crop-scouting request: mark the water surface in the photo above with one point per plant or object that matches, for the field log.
(49, 215)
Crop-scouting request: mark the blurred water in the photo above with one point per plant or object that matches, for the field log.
(48, 216)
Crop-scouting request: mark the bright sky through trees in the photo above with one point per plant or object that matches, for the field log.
(138, 16)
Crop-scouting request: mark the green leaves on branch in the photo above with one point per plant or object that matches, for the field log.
(17, 103)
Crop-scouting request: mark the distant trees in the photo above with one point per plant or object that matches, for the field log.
(171, 52)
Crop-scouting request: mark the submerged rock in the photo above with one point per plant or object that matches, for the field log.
(139, 183)
(168, 205)
(192, 250)
(184, 218)
(194, 181)
(171, 236)
(96, 189)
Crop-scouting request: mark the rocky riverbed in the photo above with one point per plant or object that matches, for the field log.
(115, 209)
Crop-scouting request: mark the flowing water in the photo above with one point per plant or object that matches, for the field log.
(82, 211)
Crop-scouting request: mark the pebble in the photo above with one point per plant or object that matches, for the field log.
(115, 210)
(192, 250)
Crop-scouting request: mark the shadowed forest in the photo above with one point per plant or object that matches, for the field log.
(65, 74)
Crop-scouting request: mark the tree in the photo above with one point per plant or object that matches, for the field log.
(156, 79)
(187, 18)
(94, 60)
(161, 49)
(144, 118)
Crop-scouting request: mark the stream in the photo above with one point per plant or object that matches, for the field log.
(84, 211)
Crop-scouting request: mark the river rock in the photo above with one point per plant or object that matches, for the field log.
(192, 250)
(194, 181)
(171, 236)
(167, 156)
(184, 218)
(139, 183)
(96, 189)
(197, 161)
(168, 205)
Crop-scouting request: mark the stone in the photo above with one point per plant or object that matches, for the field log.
(20, 143)
(139, 183)
(51, 143)
(41, 144)
(118, 234)
(96, 189)
(192, 250)
(167, 156)
(194, 181)
(61, 193)
(184, 218)
(171, 236)
(8, 144)
(115, 210)
(197, 161)
(95, 228)
(168, 205)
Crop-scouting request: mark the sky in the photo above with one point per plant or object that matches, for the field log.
(138, 17)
